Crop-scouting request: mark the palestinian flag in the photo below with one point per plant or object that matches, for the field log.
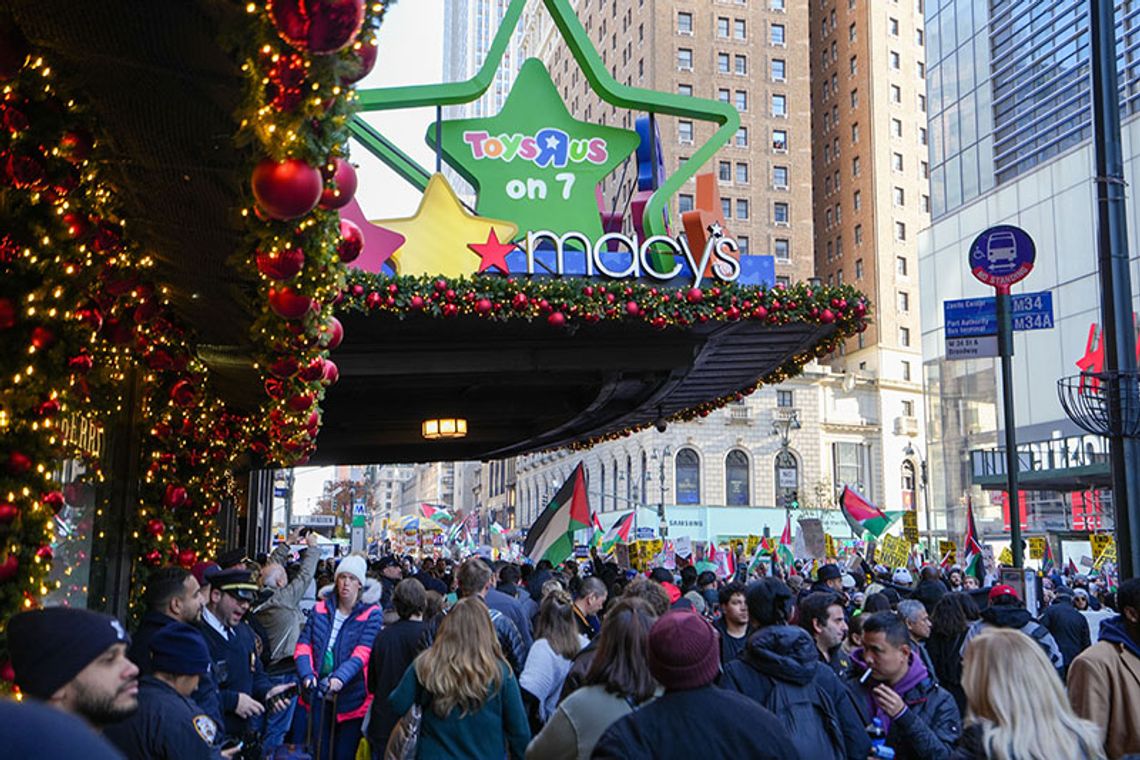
(596, 536)
(784, 551)
(972, 558)
(617, 534)
(863, 516)
(439, 514)
(726, 564)
(1048, 562)
(552, 535)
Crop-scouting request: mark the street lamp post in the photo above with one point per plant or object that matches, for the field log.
(783, 425)
(662, 523)
(911, 453)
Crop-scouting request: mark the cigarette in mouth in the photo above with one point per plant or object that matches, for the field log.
(865, 676)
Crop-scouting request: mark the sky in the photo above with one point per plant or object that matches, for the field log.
(410, 52)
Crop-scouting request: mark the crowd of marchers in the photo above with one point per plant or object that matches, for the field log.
(291, 656)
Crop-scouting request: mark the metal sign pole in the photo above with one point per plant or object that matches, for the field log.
(1005, 349)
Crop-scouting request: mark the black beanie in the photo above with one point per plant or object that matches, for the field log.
(179, 649)
(49, 647)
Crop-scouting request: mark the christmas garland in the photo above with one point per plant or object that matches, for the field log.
(300, 59)
(78, 311)
(562, 302)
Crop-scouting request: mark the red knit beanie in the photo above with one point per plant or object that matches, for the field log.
(683, 651)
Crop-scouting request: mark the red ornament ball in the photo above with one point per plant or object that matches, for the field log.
(344, 177)
(332, 373)
(182, 393)
(287, 303)
(351, 241)
(284, 368)
(695, 295)
(827, 316)
(556, 319)
(76, 146)
(300, 402)
(417, 302)
(318, 26)
(187, 557)
(54, 501)
(155, 527)
(484, 306)
(280, 265)
(8, 512)
(334, 333)
(18, 463)
(9, 567)
(312, 371)
(286, 79)
(365, 56)
(174, 496)
(287, 189)
(154, 558)
(42, 337)
(632, 309)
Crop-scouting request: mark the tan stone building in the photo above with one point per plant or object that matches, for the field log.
(752, 54)
(871, 187)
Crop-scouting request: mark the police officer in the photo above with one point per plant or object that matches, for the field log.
(237, 669)
(168, 724)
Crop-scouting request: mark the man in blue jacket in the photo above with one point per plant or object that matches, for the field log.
(242, 683)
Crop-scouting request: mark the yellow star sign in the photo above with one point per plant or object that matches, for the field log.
(437, 236)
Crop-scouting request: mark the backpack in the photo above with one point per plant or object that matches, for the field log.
(811, 719)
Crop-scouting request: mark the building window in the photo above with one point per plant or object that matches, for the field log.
(855, 166)
(780, 177)
(896, 127)
(893, 27)
(741, 63)
(780, 105)
(685, 23)
(741, 101)
(724, 95)
(922, 103)
(900, 196)
(851, 34)
(900, 231)
(685, 131)
(684, 202)
(904, 337)
(897, 162)
(741, 208)
(742, 137)
(685, 89)
(741, 173)
(722, 27)
(780, 140)
(853, 65)
(857, 200)
(777, 5)
(788, 472)
(737, 475)
(855, 132)
(723, 63)
(900, 266)
(785, 399)
(726, 208)
(858, 234)
(858, 269)
(779, 70)
(896, 60)
(724, 171)
(688, 476)
(738, 29)
(922, 136)
(684, 59)
(783, 281)
(926, 204)
(778, 35)
(903, 300)
(919, 39)
(908, 408)
(780, 213)
(850, 462)
(742, 244)
(905, 370)
(854, 98)
(782, 249)
(920, 69)
(896, 94)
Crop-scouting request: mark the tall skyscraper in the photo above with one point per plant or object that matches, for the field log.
(1010, 126)
(469, 28)
(753, 55)
(871, 197)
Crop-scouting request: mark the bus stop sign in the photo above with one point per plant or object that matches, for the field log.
(1002, 255)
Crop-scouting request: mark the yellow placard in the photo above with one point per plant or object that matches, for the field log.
(910, 526)
(830, 543)
(1036, 547)
(1006, 557)
(949, 551)
(1104, 549)
(893, 551)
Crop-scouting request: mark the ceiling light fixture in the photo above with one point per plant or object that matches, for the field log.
(447, 427)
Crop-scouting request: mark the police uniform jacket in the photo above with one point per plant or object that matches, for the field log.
(237, 670)
(205, 696)
(167, 726)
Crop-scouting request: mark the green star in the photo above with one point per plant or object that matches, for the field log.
(534, 163)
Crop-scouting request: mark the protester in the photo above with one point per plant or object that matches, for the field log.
(1104, 680)
(509, 577)
(281, 618)
(1017, 706)
(469, 696)
(617, 682)
(559, 640)
(474, 578)
(75, 660)
(392, 652)
(1069, 627)
(390, 574)
(821, 615)
(332, 654)
(918, 626)
(693, 718)
(918, 717)
(513, 609)
(828, 578)
(954, 579)
(948, 626)
(168, 723)
(243, 687)
(732, 625)
(930, 587)
(32, 729)
(589, 600)
(1007, 611)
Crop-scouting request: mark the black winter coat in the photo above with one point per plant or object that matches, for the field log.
(946, 655)
(1069, 627)
(392, 653)
(707, 722)
(785, 654)
(927, 730)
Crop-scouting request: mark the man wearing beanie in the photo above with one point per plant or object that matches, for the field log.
(168, 724)
(75, 660)
(693, 718)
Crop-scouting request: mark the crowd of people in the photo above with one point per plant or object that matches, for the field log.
(478, 659)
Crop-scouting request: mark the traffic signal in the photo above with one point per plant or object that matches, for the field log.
(792, 500)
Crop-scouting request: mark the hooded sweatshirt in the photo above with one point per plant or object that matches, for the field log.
(1112, 630)
(915, 675)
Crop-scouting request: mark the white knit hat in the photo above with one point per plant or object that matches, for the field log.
(354, 565)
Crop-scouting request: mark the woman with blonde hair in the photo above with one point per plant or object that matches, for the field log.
(470, 699)
(1017, 706)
